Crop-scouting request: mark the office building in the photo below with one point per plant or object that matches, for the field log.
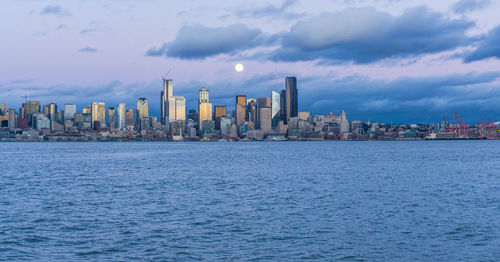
(32, 107)
(291, 97)
(98, 112)
(121, 123)
(129, 118)
(69, 111)
(166, 94)
(12, 118)
(265, 119)
(141, 110)
(240, 109)
(176, 109)
(344, 124)
(275, 108)
(111, 117)
(220, 111)
(41, 121)
(205, 112)
(3, 109)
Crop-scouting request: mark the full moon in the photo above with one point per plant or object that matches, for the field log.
(238, 68)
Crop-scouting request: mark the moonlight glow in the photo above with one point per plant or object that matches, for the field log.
(238, 68)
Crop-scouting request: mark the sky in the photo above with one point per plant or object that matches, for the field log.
(400, 61)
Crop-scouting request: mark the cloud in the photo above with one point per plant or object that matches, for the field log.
(269, 10)
(199, 42)
(464, 6)
(91, 27)
(54, 10)
(364, 35)
(88, 49)
(488, 48)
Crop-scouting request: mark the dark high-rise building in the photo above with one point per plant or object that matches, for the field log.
(283, 106)
(292, 104)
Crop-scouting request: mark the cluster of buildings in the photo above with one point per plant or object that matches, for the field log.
(264, 118)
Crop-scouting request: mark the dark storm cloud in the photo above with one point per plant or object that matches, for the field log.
(464, 6)
(199, 42)
(490, 47)
(88, 49)
(371, 36)
(54, 10)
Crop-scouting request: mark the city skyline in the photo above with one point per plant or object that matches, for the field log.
(449, 65)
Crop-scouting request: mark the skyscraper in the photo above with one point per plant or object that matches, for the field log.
(129, 118)
(220, 111)
(98, 113)
(261, 102)
(12, 118)
(203, 96)
(205, 112)
(111, 117)
(265, 119)
(166, 94)
(52, 111)
(275, 108)
(142, 109)
(3, 109)
(344, 124)
(291, 97)
(32, 107)
(240, 109)
(69, 111)
(283, 106)
(177, 109)
(121, 124)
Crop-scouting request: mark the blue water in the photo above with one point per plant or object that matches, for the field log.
(352, 201)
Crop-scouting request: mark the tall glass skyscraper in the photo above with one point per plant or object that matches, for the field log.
(166, 94)
(291, 97)
(121, 124)
(98, 113)
(275, 108)
(69, 111)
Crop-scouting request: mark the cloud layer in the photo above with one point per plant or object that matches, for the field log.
(464, 6)
(343, 36)
(198, 41)
(490, 47)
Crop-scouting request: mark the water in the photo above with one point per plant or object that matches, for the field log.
(353, 201)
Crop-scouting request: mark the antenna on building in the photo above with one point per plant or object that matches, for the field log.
(166, 75)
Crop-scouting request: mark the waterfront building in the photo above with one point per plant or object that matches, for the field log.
(69, 111)
(121, 124)
(207, 127)
(98, 112)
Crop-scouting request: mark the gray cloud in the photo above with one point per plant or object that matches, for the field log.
(88, 49)
(371, 36)
(464, 6)
(270, 10)
(54, 10)
(199, 42)
(93, 26)
(489, 47)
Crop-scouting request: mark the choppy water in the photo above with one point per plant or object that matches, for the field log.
(353, 201)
